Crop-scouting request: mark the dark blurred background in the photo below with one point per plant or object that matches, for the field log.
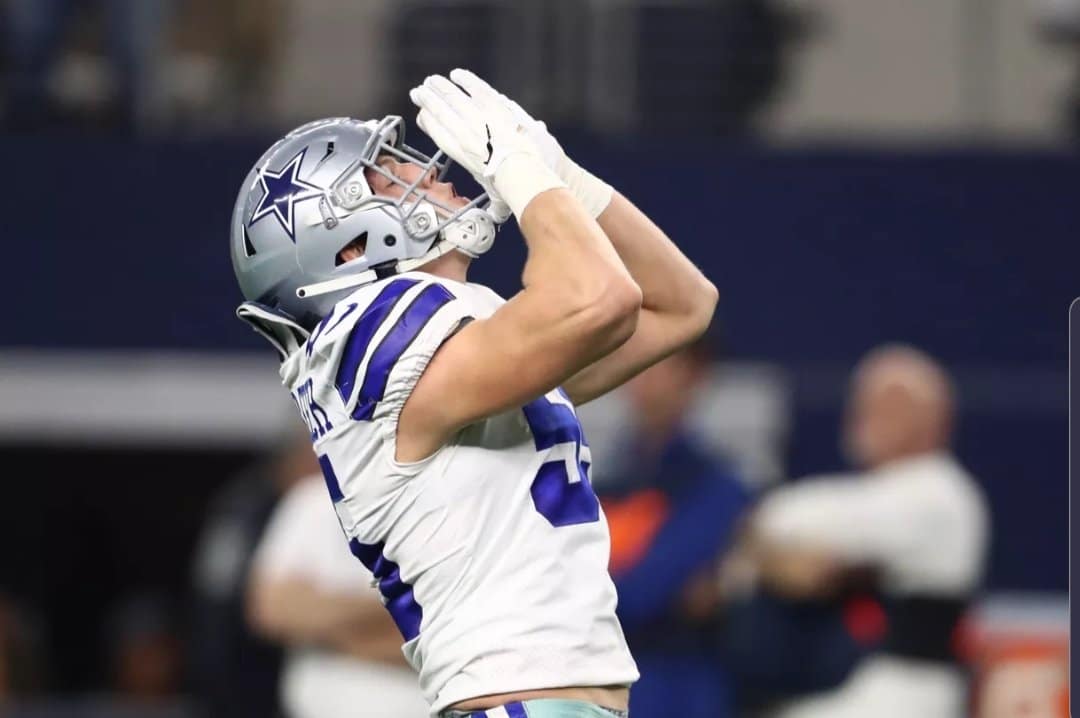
(848, 173)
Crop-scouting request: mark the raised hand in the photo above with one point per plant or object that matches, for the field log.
(549, 147)
(593, 193)
(479, 135)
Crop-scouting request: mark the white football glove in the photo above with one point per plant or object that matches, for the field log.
(485, 138)
(593, 193)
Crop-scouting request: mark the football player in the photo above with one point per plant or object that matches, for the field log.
(442, 415)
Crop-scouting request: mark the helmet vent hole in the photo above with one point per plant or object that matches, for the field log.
(389, 240)
(353, 250)
(249, 248)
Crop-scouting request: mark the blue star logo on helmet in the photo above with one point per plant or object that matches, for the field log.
(281, 191)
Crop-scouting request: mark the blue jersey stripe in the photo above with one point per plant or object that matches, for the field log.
(394, 344)
(332, 483)
(363, 332)
(400, 601)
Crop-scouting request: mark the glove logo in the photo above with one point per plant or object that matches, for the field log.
(281, 191)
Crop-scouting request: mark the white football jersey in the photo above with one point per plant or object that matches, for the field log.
(491, 554)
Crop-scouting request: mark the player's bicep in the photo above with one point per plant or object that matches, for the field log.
(491, 365)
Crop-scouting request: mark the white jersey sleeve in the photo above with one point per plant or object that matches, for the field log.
(364, 359)
(377, 343)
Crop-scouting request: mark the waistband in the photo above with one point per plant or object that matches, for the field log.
(540, 708)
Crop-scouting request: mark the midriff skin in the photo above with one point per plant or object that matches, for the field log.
(617, 697)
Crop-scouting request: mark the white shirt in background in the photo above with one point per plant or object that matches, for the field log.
(923, 523)
(304, 540)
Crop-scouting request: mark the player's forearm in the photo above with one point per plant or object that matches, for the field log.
(672, 287)
(573, 271)
(677, 301)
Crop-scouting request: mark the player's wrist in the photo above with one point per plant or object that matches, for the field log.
(520, 177)
(593, 193)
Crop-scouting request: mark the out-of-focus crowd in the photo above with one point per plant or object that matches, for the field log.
(839, 595)
(155, 66)
(778, 68)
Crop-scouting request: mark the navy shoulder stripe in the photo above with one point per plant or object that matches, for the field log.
(363, 331)
(408, 326)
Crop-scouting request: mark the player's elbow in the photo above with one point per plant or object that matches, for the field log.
(703, 306)
(626, 300)
(690, 318)
(613, 313)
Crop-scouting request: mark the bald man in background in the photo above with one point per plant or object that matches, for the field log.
(913, 521)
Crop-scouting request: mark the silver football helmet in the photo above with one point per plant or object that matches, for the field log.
(307, 198)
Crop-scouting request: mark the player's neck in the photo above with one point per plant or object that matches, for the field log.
(452, 265)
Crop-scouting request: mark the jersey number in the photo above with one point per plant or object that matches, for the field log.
(561, 493)
(561, 490)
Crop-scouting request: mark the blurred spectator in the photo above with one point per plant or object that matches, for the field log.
(308, 591)
(235, 672)
(145, 655)
(672, 509)
(821, 643)
(915, 521)
(37, 30)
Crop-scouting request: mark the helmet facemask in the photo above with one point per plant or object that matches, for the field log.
(423, 217)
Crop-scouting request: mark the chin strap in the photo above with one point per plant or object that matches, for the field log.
(472, 234)
(385, 270)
